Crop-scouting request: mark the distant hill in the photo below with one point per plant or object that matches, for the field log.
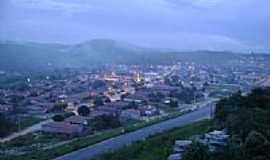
(36, 56)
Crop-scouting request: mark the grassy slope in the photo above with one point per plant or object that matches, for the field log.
(157, 147)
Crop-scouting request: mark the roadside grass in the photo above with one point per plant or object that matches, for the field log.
(29, 140)
(158, 147)
(29, 121)
(83, 142)
(61, 150)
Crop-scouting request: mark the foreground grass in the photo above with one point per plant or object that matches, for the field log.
(158, 147)
(83, 142)
(64, 149)
(29, 140)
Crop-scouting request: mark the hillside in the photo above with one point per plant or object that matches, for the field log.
(35, 56)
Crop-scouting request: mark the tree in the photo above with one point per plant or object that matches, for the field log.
(58, 118)
(15, 99)
(186, 95)
(256, 145)
(173, 103)
(2, 101)
(156, 96)
(254, 139)
(247, 119)
(98, 101)
(83, 111)
(107, 100)
(106, 122)
(59, 107)
(6, 126)
(196, 151)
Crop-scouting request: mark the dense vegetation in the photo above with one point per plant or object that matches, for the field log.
(197, 151)
(105, 122)
(6, 126)
(247, 120)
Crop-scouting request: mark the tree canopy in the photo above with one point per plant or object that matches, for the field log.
(247, 119)
(83, 111)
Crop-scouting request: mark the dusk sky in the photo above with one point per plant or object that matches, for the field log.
(236, 25)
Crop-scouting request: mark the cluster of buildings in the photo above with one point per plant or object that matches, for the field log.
(215, 141)
(129, 92)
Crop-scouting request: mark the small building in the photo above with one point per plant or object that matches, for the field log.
(110, 110)
(181, 145)
(215, 140)
(79, 120)
(63, 128)
(149, 111)
(96, 113)
(176, 156)
(138, 97)
(130, 114)
(117, 105)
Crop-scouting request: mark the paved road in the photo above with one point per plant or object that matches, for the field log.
(139, 135)
(25, 131)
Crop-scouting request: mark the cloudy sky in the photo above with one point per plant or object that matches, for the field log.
(237, 25)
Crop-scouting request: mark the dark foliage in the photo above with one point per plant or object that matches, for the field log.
(83, 111)
(105, 122)
(156, 96)
(197, 151)
(6, 126)
(98, 101)
(58, 118)
(186, 95)
(173, 103)
(59, 107)
(247, 119)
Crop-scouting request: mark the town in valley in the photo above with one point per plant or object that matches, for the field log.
(70, 103)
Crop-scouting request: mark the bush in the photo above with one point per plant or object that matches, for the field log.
(58, 118)
(173, 103)
(105, 122)
(83, 111)
(59, 107)
(256, 146)
(98, 101)
(196, 151)
(6, 126)
(247, 119)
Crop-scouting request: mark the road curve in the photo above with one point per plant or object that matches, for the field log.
(139, 135)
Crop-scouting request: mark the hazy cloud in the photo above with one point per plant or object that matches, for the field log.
(184, 24)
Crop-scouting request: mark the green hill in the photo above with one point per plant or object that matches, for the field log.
(37, 57)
